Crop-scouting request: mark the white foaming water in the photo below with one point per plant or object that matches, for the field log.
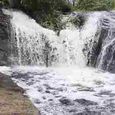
(45, 88)
(6, 70)
(39, 46)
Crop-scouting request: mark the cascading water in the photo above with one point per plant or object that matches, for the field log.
(31, 41)
(88, 91)
(107, 55)
(36, 45)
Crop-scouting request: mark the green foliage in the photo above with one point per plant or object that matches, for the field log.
(113, 4)
(46, 12)
(94, 5)
(4, 2)
(45, 5)
(79, 20)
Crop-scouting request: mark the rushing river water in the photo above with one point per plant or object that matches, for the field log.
(67, 91)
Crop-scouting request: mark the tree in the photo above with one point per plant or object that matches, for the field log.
(92, 5)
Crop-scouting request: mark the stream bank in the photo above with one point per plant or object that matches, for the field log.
(12, 99)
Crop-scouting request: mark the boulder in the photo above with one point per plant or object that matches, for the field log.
(4, 38)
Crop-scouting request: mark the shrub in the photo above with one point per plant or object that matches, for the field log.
(4, 2)
(79, 20)
(45, 5)
(113, 4)
(46, 12)
(94, 5)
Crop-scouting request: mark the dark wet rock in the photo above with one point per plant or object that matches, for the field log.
(97, 45)
(18, 75)
(65, 101)
(89, 113)
(85, 102)
(104, 36)
(83, 88)
(37, 101)
(43, 77)
(72, 111)
(4, 39)
(113, 111)
(55, 93)
(58, 96)
(106, 93)
(48, 91)
(25, 76)
(44, 97)
(50, 100)
(30, 83)
(40, 89)
(108, 62)
(48, 87)
(59, 89)
(107, 40)
(99, 83)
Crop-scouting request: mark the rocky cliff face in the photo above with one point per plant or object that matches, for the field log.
(4, 38)
(106, 58)
(102, 53)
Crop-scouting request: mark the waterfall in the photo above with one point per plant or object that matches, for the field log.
(36, 45)
(92, 45)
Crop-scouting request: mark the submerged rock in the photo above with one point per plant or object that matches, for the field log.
(90, 113)
(85, 102)
(65, 101)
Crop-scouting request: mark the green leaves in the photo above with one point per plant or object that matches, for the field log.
(29, 4)
(46, 12)
(94, 5)
(4, 2)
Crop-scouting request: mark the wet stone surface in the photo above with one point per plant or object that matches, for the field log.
(4, 38)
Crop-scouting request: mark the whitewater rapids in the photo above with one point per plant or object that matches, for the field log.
(66, 91)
